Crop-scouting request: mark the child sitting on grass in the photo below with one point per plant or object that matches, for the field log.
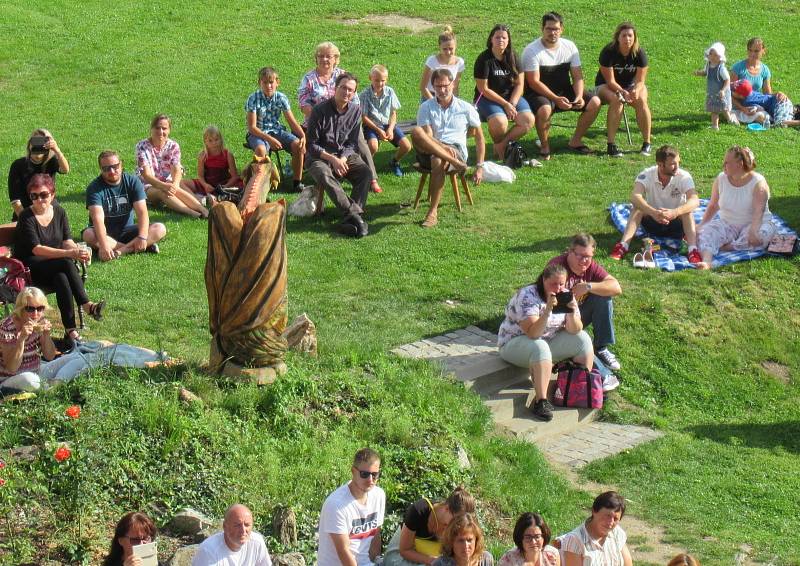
(379, 106)
(216, 167)
(766, 108)
(264, 129)
(718, 80)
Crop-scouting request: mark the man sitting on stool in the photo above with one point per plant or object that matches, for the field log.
(333, 130)
(440, 138)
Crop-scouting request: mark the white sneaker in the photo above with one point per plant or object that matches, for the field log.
(610, 382)
(608, 358)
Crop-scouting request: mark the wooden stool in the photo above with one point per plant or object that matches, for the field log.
(462, 175)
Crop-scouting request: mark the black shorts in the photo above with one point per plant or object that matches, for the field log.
(536, 101)
(424, 159)
(658, 230)
(123, 236)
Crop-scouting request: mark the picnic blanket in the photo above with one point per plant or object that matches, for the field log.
(669, 258)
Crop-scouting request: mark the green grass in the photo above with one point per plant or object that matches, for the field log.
(692, 344)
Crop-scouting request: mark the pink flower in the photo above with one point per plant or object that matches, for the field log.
(2, 482)
(62, 454)
(73, 412)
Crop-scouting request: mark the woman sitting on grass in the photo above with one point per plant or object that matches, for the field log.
(757, 73)
(418, 540)
(463, 545)
(132, 530)
(532, 540)
(158, 165)
(533, 336)
(741, 196)
(499, 83)
(44, 243)
(24, 336)
(42, 156)
(599, 541)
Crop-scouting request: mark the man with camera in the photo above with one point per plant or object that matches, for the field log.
(594, 289)
(663, 203)
(554, 83)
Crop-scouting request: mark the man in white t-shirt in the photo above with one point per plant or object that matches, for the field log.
(663, 202)
(554, 83)
(237, 545)
(351, 518)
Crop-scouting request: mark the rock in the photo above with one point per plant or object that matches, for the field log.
(463, 458)
(301, 335)
(284, 526)
(203, 534)
(259, 376)
(26, 453)
(189, 522)
(183, 556)
(188, 397)
(290, 559)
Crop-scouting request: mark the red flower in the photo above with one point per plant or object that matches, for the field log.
(73, 412)
(2, 464)
(62, 454)
(2, 482)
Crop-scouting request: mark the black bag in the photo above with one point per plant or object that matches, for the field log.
(230, 194)
(515, 156)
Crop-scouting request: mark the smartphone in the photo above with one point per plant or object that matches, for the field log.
(37, 144)
(564, 298)
(147, 553)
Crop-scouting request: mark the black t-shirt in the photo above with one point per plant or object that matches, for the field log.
(21, 172)
(499, 75)
(624, 67)
(416, 519)
(30, 233)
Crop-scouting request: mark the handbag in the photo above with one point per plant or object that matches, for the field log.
(576, 386)
(17, 275)
(425, 546)
(515, 156)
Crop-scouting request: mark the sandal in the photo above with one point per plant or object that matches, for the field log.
(96, 310)
(581, 149)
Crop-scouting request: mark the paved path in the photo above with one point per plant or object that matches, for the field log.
(572, 438)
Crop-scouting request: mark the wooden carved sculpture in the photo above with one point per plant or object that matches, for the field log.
(246, 280)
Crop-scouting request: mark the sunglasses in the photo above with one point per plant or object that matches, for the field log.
(135, 541)
(38, 196)
(32, 309)
(110, 168)
(364, 474)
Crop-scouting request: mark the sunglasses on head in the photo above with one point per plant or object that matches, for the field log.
(37, 196)
(364, 474)
(32, 309)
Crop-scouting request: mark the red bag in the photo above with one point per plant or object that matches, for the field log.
(17, 274)
(578, 387)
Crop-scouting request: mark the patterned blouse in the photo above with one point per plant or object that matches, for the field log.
(30, 355)
(159, 160)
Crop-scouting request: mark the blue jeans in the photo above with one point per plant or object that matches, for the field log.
(599, 312)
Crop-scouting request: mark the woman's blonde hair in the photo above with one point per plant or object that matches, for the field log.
(40, 132)
(212, 130)
(447, 35)
(326, 46)
(460, 524)
(22, 299)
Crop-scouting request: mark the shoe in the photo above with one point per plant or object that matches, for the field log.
(646, 149)
(395, 167)
(543, 410)
(152, 249)
(618, 252)
(608, 358)
(581, 149)
(375, 187)
(610, 383)
(613, 150)
(695, 257)
(96, 310)
(361, 227)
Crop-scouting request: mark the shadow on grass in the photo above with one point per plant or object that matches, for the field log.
(326, 223)
(788, 208)
(558, 246)
(784, 435)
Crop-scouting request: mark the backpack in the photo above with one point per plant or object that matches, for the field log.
(17, 275)
(515, 156)
(578, 387)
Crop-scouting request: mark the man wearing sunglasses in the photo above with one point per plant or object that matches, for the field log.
(351, 518)
(113, 199)
(593, 288)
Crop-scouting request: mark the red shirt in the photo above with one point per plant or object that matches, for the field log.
(593, 274)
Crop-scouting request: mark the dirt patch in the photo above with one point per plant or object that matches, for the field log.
(394, 21)
(778, 371)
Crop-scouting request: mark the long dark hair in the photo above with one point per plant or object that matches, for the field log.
(547, 273)
(114, 557)
(509, 56)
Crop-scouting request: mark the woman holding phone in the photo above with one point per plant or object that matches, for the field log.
(543, 325)
(133, 529)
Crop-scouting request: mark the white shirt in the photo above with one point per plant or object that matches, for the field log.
(536, 55)
(214, 552)
(670, 197)
(580, 542)
(342, 514)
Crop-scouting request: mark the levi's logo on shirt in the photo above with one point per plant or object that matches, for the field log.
(364, 527)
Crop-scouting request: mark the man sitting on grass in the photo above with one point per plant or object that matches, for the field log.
(112, 199)
(663, 201)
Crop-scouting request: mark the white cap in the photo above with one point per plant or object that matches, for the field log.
(719, 49)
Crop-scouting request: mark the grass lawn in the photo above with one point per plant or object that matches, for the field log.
(694, 345)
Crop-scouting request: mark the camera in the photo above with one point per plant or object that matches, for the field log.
(37, 144)
(563, 298)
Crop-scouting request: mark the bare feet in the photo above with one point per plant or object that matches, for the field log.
(703, 265)
(430, 221)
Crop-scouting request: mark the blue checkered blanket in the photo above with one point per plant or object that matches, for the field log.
(668, 258)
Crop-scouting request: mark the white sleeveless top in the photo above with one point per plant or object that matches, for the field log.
(736, 203)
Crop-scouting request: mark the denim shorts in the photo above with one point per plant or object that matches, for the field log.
(487, 108)
(285, 137)
(369, 134)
